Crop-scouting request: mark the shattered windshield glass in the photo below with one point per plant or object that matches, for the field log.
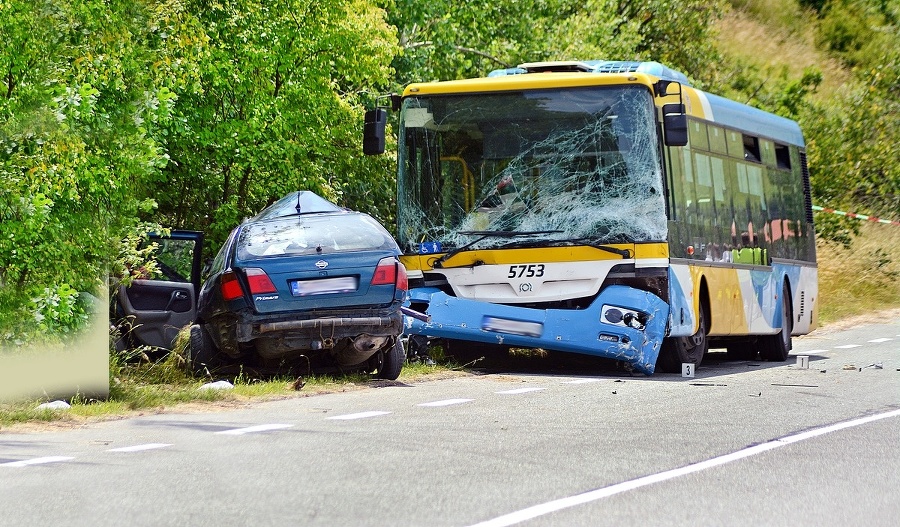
(579, 164)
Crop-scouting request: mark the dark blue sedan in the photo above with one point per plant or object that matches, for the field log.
(304, 281)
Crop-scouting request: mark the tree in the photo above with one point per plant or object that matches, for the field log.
(443, 40)
(86, 88)
(276, 108)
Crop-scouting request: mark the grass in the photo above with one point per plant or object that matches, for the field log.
(775, 35)
(854, 281)
(864, 278)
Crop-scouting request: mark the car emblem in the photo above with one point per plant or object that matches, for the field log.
(321, 264)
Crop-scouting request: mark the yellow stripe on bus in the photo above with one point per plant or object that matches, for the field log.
(425, 262)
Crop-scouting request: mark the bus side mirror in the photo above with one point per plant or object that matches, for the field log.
(675, 125)
(373, 132)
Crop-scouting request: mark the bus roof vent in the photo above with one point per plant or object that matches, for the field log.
(596, 66)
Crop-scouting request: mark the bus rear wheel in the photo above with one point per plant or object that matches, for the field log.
(677, 350)
(777, 347)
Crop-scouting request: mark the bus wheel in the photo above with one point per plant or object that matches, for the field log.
(677, 350)
(777, 347)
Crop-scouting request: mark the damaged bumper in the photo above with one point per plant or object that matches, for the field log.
(622, 323)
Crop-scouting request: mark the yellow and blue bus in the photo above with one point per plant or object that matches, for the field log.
(604, 208)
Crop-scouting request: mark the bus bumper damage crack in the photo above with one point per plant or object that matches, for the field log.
(622, 323)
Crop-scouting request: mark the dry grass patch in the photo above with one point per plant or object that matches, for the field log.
(862, 279)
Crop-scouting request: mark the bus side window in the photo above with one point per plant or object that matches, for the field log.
(751, 149)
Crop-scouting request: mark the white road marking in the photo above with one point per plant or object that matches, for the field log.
(581, 381)
(848, 346)
(520, 390)
(446, 402)
(360, 415)
(36, 461)
(812, 351)
(139, 448)
(605, 492)
(879, 341)
(253, 429)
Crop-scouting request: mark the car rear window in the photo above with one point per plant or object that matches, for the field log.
(311, 235)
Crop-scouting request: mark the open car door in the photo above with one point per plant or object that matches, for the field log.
(154, 310)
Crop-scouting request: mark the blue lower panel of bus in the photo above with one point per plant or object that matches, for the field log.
(622, 323)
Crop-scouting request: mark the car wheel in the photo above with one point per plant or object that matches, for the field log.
(392, 362)
(677, 350)
(777, 347)
(202, 354)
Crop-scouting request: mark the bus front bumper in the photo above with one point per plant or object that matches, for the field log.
(622, 323)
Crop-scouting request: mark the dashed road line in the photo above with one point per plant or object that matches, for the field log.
(37, 461)
(140, 448)
(879, 341)
(359, 415)
(253, 429)
(446, 402)
(848, 346)
(520, 390)
(581, 381)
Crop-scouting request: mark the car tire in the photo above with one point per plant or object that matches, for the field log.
(392, 362)
(202, 356)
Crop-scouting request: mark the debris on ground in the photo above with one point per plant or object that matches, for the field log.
(54, 405)
(218, 385)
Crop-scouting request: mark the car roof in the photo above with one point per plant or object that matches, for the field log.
(297, 203)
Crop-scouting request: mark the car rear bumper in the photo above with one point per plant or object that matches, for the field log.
(329, 323)
(233, 332)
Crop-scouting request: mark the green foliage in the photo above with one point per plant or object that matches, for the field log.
(276, 108)
(853, 161)
(77, 143)
(443, 40)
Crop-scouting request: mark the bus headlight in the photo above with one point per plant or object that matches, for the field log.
(620, 316)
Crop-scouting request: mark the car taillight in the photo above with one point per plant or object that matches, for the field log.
(259, 281)
(386, 272)
(402, 279)
(231, 288)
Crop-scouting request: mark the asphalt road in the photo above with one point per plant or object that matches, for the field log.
(742, 443)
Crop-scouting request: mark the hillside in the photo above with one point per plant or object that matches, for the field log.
(861, 275)
(773, 47)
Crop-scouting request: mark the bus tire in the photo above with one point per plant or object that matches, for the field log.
(677, 350)
(777, 347)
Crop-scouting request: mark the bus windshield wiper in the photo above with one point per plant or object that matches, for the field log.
(624, 253)
(483, 235)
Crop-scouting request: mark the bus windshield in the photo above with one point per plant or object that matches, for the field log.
(572, 164)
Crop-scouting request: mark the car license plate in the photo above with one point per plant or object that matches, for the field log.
(323, 286)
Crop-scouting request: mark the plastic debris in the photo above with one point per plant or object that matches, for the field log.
(876, 365)
(218, 385)
(54, 405)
